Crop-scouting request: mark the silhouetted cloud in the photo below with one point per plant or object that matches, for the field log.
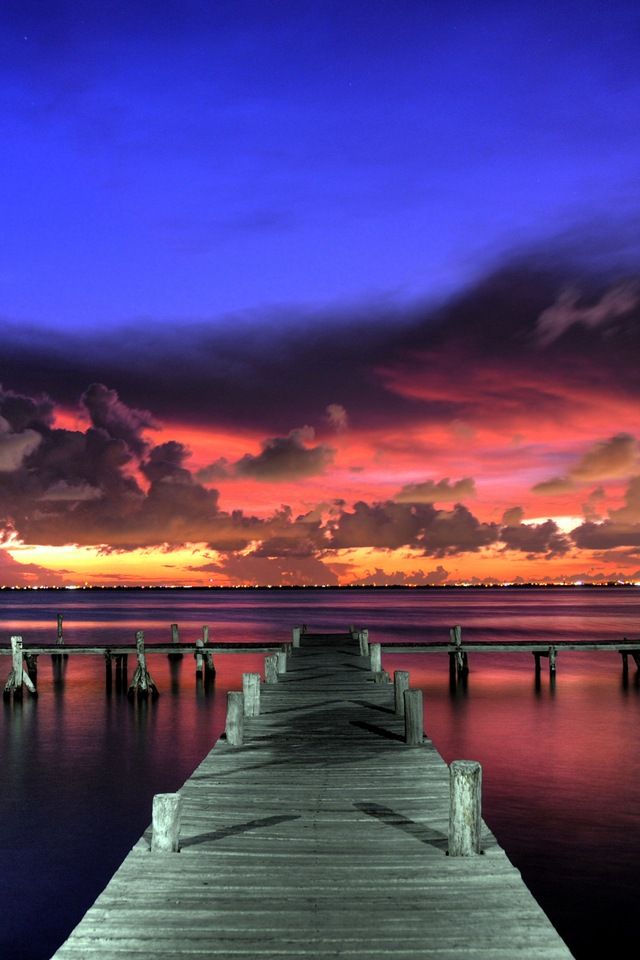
(616, 457)
(441, 492)
(286, 458)
(536, 538)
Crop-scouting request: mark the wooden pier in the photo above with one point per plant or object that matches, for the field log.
(319, 826)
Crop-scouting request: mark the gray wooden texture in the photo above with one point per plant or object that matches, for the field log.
(324, 835)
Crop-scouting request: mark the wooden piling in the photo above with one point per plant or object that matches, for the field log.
(199, 658)
(281, 661)
(175, 638)
(295, 635)
(141, 684)
(400, 684)
(18, 677)
(251, 692)
(363, 640)
(271, 668)
(375, 652)
(413, 718)
(59, 634)
(234, 727)
(165, 823)
(108, 672)
(552, 660)
(31, 665)
(465, 790)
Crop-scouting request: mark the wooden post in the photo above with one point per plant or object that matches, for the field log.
(175, 638)
(552, 661)
(375, 651)
(625, 664)
(413, 719)
(462, 664)
(400, 684)
(536, 656)
(271, 668)
(199, 657)
(165, 823)
(59, 636)
(31, 663)
(295, 634)
(18, 675)
(234, 727)
(108, 673)
(251, 692)
(281, 661)
(209, 667)
(465, 785)
(141, 683)
(363, 638)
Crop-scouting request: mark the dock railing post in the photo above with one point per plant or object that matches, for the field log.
(363, 637)
(413, 717)
(465, 802)
(165, 823)
(375, 651)
(234, 726)
(400, 684)
(295, 636)
(271, 668)
(281, 660)
(251, 692)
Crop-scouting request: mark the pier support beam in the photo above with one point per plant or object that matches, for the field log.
(552, 661)
(59, 634)
(165, 823)
(234, 726)
(413, 717)
(141, 684)
(465, 786)
(251, 693)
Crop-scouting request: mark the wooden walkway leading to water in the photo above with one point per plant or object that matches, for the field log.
(324, 835)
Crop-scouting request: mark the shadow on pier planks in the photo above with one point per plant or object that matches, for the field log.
(322, 836)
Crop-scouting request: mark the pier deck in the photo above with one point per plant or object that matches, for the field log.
(324, 835)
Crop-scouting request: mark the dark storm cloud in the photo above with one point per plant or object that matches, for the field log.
(475, 357)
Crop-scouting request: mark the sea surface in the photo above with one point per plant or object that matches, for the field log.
(561, 762)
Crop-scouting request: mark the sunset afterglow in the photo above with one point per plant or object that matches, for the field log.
(319, 294)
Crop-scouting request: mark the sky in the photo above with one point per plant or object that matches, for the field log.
(319, 293)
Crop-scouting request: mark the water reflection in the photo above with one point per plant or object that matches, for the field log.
(561, 766)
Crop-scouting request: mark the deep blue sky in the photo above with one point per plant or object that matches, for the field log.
(184, 161)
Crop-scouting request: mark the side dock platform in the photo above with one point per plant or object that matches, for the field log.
(323, 833)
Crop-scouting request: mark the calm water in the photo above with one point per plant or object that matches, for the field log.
(561, 764)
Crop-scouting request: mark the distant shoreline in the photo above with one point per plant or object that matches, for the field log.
(602, 585)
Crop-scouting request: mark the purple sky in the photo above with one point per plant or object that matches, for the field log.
(172, 162)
